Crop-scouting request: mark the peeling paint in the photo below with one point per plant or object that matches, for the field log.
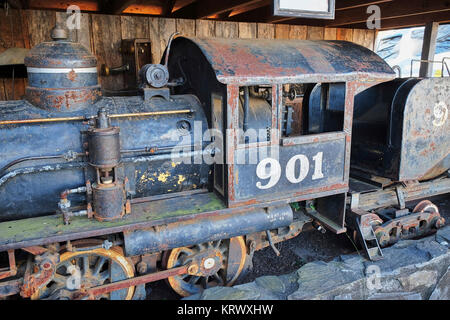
(163, 176)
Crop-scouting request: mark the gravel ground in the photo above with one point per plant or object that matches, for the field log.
(309, 246)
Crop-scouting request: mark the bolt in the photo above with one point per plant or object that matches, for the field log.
(193, 269)
(142, 267)
(209, 263)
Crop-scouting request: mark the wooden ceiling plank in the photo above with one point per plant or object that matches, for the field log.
(390, 10)
(351, 4)
(257, 15)
(250, 7)
(407, 22)
(340, 5)
(168, 7)
(17, 4)
(203, 8)
(114, 6)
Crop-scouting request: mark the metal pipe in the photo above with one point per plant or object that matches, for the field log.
(84, 118)
(43, 168)
(152, 113)
(24, 159)
(269, 238)
(57, 167)
(199, 230)
(246, 108)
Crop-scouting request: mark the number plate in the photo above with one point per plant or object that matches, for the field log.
(299, 167)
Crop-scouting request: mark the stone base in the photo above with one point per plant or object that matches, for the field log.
(410, 270)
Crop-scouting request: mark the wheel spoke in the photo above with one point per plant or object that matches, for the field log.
(205, 282)
(186, 251)
(183, 276)
(104, 276)
(85, 265)
(218, 278)
(194, 279)
(60, 279)
(98, 266)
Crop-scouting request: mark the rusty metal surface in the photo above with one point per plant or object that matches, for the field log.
(60, 54)
(425, 149)
(95, 291)
(401, 129)
(256, 61)
(12, 266)
(388, 197)
(40, 274)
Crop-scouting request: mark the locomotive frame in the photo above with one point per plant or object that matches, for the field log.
(235, 209)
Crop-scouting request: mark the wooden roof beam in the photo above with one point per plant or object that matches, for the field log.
(168, 7)
(266, 14)
(351, 4)
(390, 10)
(114, 6)
(407, 22)
(205, 8)
(18, 4)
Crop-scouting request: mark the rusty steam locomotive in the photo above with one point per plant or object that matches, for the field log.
(233, 145)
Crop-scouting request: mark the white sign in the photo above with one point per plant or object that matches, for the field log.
(305, 5)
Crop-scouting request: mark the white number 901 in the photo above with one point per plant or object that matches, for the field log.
(270, 168)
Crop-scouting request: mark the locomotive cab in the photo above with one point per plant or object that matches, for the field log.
(256, 93)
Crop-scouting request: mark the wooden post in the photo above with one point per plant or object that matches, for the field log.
(428, 48)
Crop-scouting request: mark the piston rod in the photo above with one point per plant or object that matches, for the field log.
(136, 281)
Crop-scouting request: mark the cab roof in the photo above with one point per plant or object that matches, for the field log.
(260, 61)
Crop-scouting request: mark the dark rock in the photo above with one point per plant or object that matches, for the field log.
(443, 235)
(442, 290)
(271, 283)
(419, 280)
(228, 293)
(396, 296)
(433, 248)
(318, 277)
(396, 257)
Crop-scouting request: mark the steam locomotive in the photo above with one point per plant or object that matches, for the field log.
(232, 146)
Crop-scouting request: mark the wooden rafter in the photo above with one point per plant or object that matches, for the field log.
(406, 22)
(168, 7)
(115, 6)
(18, 4)
(349, 13)
(390, 10)
(204, 8)
(351, 4)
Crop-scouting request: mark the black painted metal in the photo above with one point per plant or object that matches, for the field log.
(21, 186)
(401, 129)
(191, 232)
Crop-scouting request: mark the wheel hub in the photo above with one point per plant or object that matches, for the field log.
(87, 269)
(208, 265)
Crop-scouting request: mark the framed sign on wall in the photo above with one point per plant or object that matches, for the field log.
(313, 9)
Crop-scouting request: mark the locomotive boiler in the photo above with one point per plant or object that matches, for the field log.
(231, 146)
